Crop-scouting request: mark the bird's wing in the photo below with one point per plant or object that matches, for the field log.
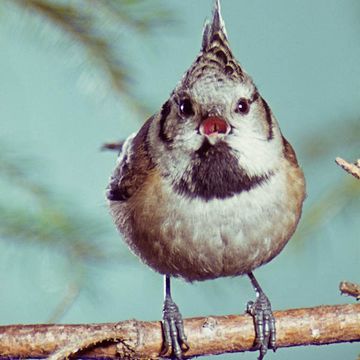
(133, 167)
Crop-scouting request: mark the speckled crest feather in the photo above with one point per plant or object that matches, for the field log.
(215, 56)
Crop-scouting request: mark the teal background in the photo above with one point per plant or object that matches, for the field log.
(56, 111)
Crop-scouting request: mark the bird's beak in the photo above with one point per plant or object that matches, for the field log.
(214, 127)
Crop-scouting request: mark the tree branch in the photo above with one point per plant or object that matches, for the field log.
(208, 335)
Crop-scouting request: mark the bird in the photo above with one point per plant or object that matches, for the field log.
(209, 187)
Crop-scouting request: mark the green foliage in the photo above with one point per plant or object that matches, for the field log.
(45, 221)
(341, 195)
(334, 138)
(334, 202)
(95, 25)
(42, 218)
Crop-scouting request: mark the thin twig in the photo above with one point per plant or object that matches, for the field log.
(81, 25)
(351, 289)
(353, 169)
(113, 146)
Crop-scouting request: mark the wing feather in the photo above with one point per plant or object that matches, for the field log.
(133, 166)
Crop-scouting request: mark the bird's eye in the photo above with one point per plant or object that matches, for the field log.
(243, 107)
(186, 108)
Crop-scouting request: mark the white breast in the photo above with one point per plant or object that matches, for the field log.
(197, 239)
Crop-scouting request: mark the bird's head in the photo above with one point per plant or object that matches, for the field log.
(215, 121)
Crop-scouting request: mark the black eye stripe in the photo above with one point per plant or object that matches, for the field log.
(165, 111)
(268, 119)
(255, 97)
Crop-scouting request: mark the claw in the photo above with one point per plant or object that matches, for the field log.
(173, 327)
(264, 320)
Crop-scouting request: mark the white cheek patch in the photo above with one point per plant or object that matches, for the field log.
(256, 154)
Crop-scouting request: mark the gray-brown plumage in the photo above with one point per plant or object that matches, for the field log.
(209, 187)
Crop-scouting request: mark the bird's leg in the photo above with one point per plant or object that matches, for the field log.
(264, 321)
(173, 327)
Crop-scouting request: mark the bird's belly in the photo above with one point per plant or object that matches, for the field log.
(199, 240)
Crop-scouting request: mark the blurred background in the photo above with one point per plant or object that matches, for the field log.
(77, 74)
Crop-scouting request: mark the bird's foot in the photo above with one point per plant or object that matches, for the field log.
(173, 330)
(264, 322)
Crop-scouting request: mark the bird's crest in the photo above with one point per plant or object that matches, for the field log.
(216, 26)
(216, 55)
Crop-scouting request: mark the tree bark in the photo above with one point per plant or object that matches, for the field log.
(134, 339)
